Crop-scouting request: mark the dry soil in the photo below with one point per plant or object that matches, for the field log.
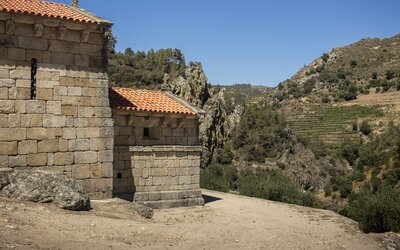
(227, 221)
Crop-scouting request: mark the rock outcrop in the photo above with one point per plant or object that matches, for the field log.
(45, 187)
(310, 173)
(217, 126)
(192, 87)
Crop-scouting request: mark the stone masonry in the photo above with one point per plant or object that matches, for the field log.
(159, 167)
(67, 126)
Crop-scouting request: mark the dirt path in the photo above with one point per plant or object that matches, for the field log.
(226, 222)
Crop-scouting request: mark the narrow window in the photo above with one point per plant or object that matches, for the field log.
(146, 132)
(119, 175)
(33, 78)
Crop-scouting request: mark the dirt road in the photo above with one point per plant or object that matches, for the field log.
(226, 222)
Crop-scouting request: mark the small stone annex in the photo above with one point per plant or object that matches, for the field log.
(58, 113)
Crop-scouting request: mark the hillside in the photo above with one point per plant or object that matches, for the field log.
(345, 72)
(326, 138)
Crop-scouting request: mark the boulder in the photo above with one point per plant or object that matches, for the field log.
(44, 187)
(142, 210)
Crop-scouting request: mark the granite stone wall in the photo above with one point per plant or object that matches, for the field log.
(159, 167)
(67, 126)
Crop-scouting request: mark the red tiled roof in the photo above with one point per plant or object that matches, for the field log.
(49, 9)
(146, 100)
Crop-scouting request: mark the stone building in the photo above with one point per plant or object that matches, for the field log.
(55, 111)
(156, 152)
(54, 107)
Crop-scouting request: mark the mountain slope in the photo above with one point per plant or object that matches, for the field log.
(345, 72)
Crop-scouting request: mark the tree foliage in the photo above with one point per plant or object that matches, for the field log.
(262, 132)
(145, 69)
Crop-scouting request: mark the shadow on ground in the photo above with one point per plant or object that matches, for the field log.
(209, 199)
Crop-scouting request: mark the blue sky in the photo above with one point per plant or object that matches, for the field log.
(247, 41)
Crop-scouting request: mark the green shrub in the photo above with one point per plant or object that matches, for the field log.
(343, 184)
(349, 151)
(353, 63)
(365, 128)
(325, 57)
(328, 190)
(390, 74)
(219, 177)
(274, 185)
(376, 211)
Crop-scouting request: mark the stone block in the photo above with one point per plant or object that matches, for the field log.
(79, 145)
(48, 146)
(20, 73)
(54, 121)
(16, 54)
(53, 107)
(8, 148)
(47, 75)
(38, 54)
(46, 84)
(69, 133)
(7, 106)
(27, 147)
(23, 18)
(7, 83)
(74, 91)
(66, 158)
(44, 94)
(37, 160)
(99, 144)
(3, 93)
(32, 43)
(23, 93)
(81, 172)
(62, 58)
(86, 157)
(4, 73)
(89, 49)
(12, 134)
(17, 161)
(7, 41)
(31, 120)
(85, 112)
(105, 156)
(63, 145)
(4, 121)
(81, 60)
(35, 107)
(54, 133)
(4, 161)
(195, 179)
(3, 52)
(185, 180)
(36, 133)
(69, 110)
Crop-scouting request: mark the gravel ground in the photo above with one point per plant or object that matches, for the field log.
(227, 221)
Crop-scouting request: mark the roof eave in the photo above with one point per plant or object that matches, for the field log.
(187, 104)
(96, 18)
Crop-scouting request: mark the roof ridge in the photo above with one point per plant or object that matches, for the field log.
(51, 10)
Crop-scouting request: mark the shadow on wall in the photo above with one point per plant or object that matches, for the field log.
(123, 182)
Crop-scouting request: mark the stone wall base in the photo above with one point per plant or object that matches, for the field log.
(169, 199)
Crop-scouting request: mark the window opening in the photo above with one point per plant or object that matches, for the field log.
(33, 78)
(146, 132)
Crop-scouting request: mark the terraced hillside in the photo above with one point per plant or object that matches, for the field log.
(331, 124)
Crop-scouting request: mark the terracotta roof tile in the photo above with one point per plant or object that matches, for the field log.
(49, 9)
(146, 100)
